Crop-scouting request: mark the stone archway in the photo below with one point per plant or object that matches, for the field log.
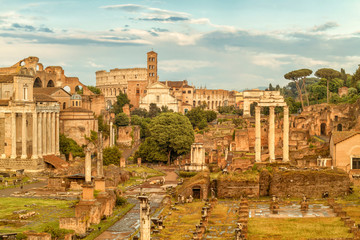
(50, 83)
(67, 89)
(37, 83)
(323, 129)
(79, 89)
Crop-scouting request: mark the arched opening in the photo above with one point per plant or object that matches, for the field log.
(37, 83)
(79, 89)
(50, 83)
(22, 63)
(194, 103)
(339, 127)
(323, 129)
(196, 192)
(115, 91)
(64, 105)
(67, 88)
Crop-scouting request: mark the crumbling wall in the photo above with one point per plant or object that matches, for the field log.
(311, 183)
(236, 189)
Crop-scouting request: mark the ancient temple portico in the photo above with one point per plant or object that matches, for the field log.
(271, 99)
(29, 124)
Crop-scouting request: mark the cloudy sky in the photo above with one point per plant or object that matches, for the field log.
(229, 44)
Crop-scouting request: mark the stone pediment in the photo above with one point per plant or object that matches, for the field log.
(158, 85)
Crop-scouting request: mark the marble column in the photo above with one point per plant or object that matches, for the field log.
(99, 167)
(13, 135)
(35, 136)
(286, 135)
(48, 134)
(57, 147)
(257, 134)
(87, 166)
(44, 134)
(23, 136)
(40, 137)
(111, 134)
(271, 132)
(53, 134)
(145, 222)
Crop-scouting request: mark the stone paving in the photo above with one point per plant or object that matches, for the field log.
(290, 211)
(129, 224)
(222, 226)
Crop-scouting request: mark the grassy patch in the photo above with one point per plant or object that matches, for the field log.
(249, 175)
(187, 174)
(296, 228)
(119, 212)
(48, 213)
(143, 169)
(138, 179)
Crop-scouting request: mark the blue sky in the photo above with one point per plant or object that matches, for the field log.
(230, 44)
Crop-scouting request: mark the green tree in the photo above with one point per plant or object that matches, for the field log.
(111, 155)
(103, 127)
(199, 117)
(356, 76)
(328, 74)
(210, 115)
(121, 100)
(141, 112)
(172, 134)
(121, 119)
(153, 110)
(68, 145)
(352, 91)
(94, 89)
(150, 151)
(296, 76)
(143, 123)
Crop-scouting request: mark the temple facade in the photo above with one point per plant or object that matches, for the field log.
(29, 123)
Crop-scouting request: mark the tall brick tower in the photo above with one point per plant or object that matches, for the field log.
(152, 67)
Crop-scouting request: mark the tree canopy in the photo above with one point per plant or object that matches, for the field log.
(171, 135)
(297, 75)
(111, 155)
(121, 119)
(68, 145)
(199, 117)
(328, 74)
(121, 100)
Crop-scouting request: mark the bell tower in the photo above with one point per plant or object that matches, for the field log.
(152, 67)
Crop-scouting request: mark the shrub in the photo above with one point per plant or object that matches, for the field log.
(122, 119)
(68, 145)
(56, 233)
(21, 236)
(120, 201)
(187, 174)
(112, 155)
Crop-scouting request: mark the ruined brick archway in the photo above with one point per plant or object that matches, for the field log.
(37, 83)
(50, 83)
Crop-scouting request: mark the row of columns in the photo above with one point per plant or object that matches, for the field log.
(271, 134)
(45, 134)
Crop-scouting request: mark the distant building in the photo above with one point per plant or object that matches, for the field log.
(136, 83)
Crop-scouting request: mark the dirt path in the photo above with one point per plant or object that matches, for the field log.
(8, 191)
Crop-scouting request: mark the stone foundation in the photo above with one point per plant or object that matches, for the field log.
(30, 165)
